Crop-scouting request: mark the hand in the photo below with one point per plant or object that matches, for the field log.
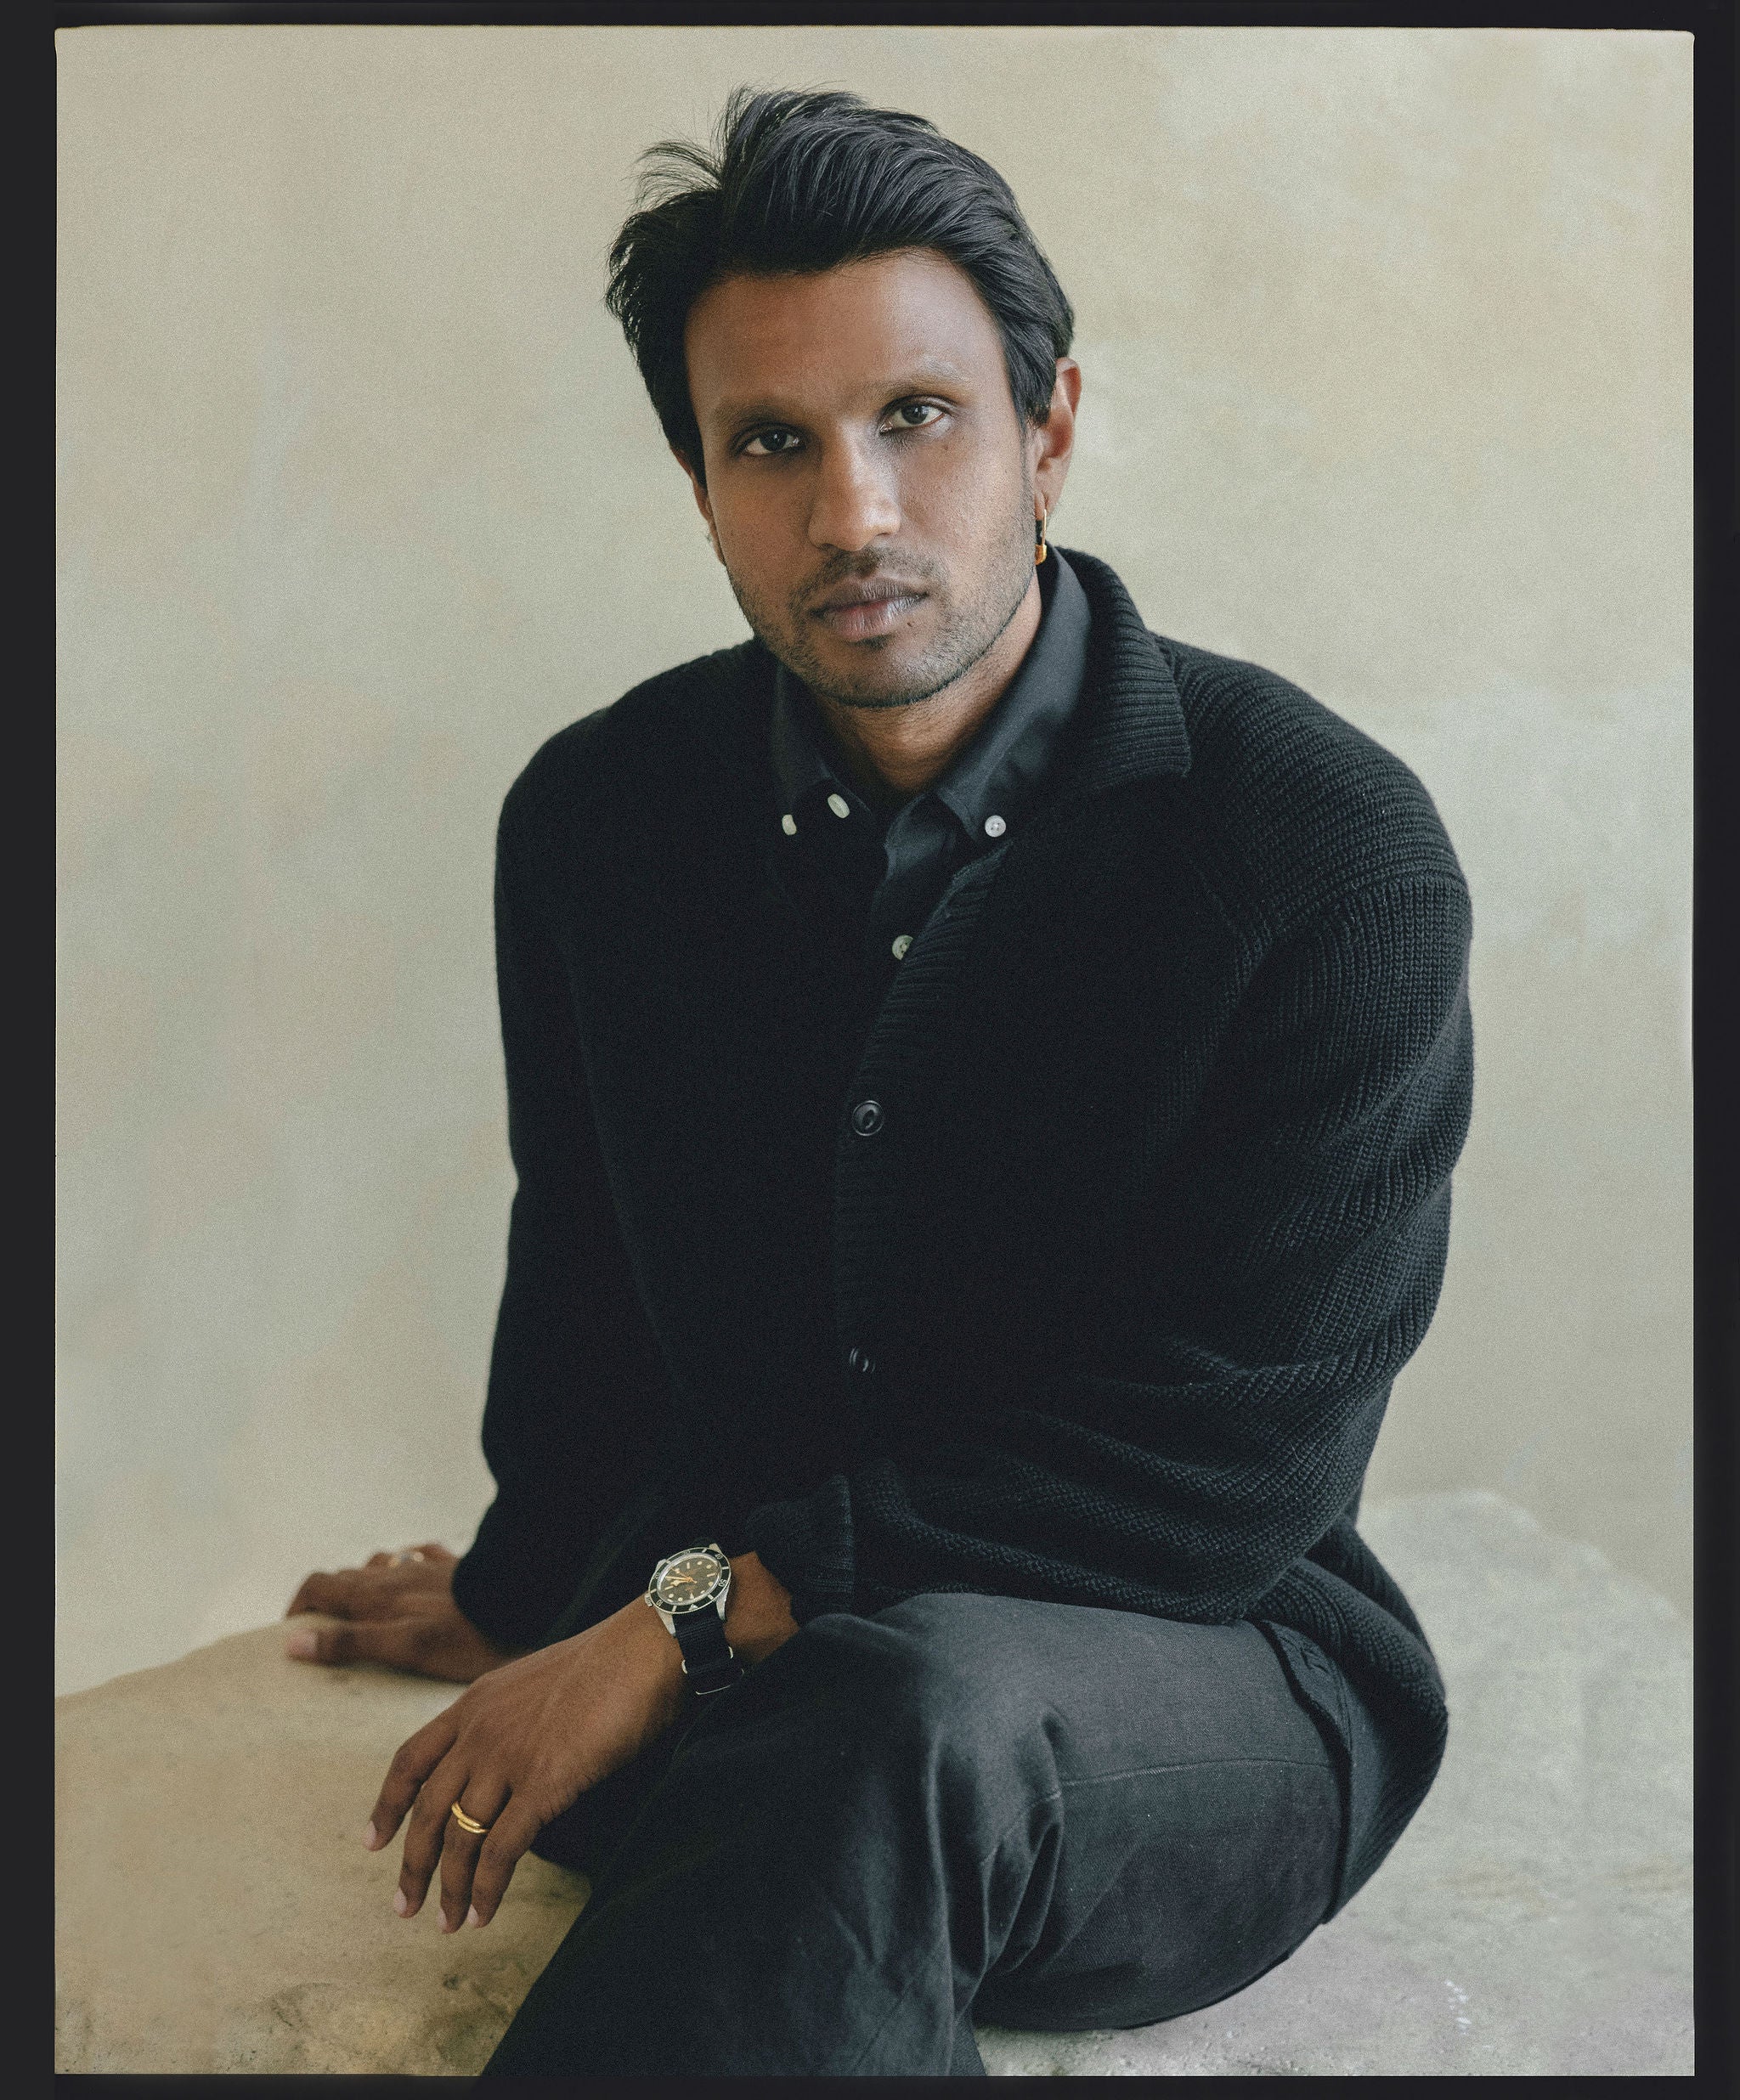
(523, 1744)
(516, 1749)
(402, 1614)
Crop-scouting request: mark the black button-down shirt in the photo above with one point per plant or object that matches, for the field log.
(887, 871)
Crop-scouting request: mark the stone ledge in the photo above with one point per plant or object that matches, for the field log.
(216, 1910)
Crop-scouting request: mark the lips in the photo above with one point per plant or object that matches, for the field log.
(857, 611)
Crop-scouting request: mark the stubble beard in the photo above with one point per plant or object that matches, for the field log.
(967, 635)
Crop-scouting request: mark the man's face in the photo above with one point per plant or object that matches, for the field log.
(869, 481)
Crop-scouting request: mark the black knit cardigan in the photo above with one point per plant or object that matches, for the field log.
(1106, 1307)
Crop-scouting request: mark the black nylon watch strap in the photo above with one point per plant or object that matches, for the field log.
(708, 1663)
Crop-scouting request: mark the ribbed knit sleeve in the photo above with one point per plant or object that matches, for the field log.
(574, 1378)
(1225, 1395)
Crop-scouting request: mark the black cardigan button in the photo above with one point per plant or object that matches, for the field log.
(860, 1360)
(867, 1118)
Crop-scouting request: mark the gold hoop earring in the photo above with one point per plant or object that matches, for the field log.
(1039, 552)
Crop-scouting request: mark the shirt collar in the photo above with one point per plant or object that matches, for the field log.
(998, 771)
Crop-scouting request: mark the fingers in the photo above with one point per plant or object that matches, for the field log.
(431, 1550)
(433, 1832)
(463, 1850)
(372, 1589)
(401, 1643)
(299, 1602)
(428, 1775)
(476, 1866)
(412, 1763)
(345, 1595)
(498, 1855)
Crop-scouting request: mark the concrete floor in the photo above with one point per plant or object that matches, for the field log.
(216, 1913)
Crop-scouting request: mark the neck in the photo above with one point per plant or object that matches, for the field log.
(894, 753)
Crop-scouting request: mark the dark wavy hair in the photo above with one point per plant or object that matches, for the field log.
(800, 181)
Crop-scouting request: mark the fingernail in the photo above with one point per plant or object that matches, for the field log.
(300, 1644)
(400, 1904)
(472, 1917)
(371, 1836)
(447, 1925)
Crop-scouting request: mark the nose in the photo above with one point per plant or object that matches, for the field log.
(853, 505)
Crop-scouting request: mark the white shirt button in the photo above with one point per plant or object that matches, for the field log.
(840, 806)
(788, 825)
(902, 943)
(995, 828)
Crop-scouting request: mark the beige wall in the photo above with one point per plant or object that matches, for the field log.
(1384, 341)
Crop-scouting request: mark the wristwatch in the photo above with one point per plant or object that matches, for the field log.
(688, 1591)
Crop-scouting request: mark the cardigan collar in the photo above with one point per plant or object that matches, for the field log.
(1130, 723)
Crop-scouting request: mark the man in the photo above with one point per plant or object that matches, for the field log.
(984, 1080)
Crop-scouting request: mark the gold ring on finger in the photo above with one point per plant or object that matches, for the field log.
(465, 1822)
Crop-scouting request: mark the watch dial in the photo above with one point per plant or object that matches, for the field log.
(687, 1580)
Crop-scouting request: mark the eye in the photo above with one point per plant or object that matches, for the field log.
(904, 415)
(770, 444)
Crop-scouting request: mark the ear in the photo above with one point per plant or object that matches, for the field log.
(1054, 441)
(698, 488)
(696, 484)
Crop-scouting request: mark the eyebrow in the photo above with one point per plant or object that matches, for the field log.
(730, 416)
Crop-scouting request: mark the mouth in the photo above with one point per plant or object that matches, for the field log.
(858, 611)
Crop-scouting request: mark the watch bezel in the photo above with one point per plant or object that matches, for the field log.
(708, 1599)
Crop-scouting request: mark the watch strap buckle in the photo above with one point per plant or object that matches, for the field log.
(717, 1676)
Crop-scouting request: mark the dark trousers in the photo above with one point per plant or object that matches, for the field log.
(1040, 1817)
